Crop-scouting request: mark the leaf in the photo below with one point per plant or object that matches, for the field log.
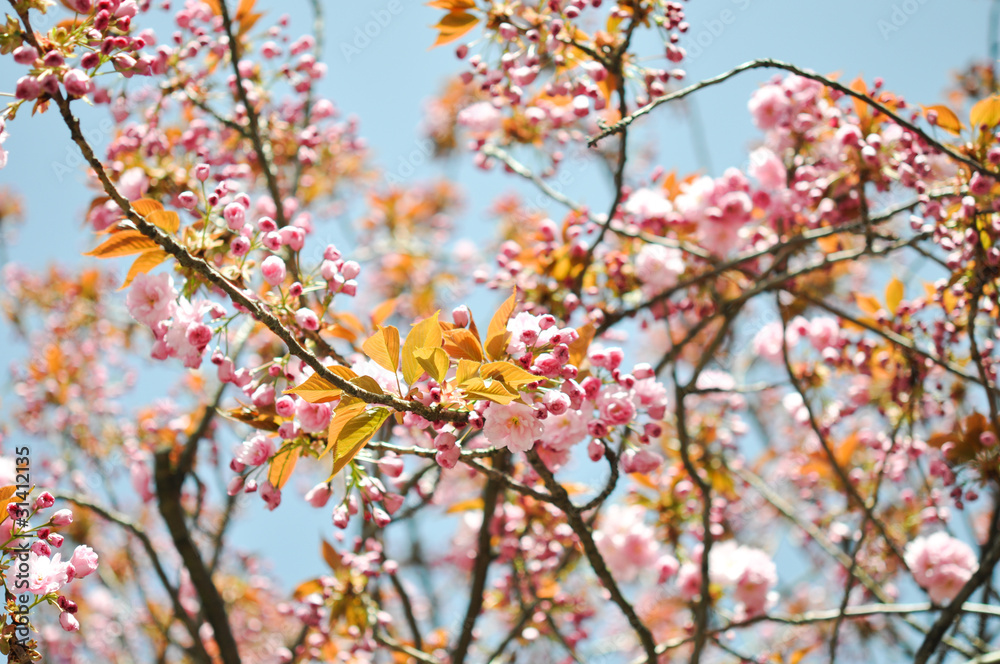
(465, 506)
(461, 343)
(511, 374)
(383, 347)
(434, 361)
(452, 5)
(165, 219)
(282, 466)
(425, 334)
(894, 295)
(316, 389)
(368, 383)
(331, 556)
(252, 417)
(123, 243)
(355, 435)
(344, 413)
(307, 588)
(143, 264)
(453, 26)
(946, 118)
(860, 107)
(985, 113)
(478, 389)
(145, 206)
(496, 333)
(868, 303)
(383, 311)
(578, 349)
(7, 496)
(466, 369)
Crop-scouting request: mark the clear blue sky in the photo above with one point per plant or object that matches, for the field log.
(388, 82)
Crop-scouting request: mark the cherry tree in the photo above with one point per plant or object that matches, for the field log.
(749, 418)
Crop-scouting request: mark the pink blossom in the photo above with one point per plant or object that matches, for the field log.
(319, 495)
(480, 118)
(941, 565)
(648, 205)
(133, 183)
(151, 298)
(270, 494)
(77, 83)
(749, 571)
(626, 542)
(657, 268)
(314, 417)
(62, 518)
(273, 269)
(767, 342)
(69, 622)
(306, 319)
(615, 406)
(770, 107)
(46, 575)
(565, 430)
(767, 169)
(255, 450)
(84, 561)
(824, 332)
(513, 426)
(640, 461)
(524, 331)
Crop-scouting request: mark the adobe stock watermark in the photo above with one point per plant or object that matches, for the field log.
(363, 35)
(900, 16)
(699, 39)
(408, 164)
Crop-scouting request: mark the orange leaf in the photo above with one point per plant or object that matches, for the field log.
(144, 263)
(465, 506)
(165, 219)
(496, 333)
(860, 107)
(383, 311)
(578, 349)
(453, 26)
(355, 434)
(868, 303)
(466, 369)
(461, 343)
(946, 118)
(282, 466)
(317, 390)
(144, 206)
(331, 556)
(344, 413)
(478, 389)
(7, 496)
(123, 244)
(986, 113)
(383, 347)
(307, 588)
(511, 374)
(453, 5)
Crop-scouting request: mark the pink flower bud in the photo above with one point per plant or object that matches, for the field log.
(595, 450)
(201, 171)
(381, 518)
(273, 269)
(77, 83)
(69, 622)
(350, 269)
(319, 495)
(239, 246)
(25, 54)
(461, 316)
(285, 406)
(340, 517)
(62, 518)
(44, 501)
(306, 319)
(235, 485)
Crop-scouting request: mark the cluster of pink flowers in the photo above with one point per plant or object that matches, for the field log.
(629, 545)
(178, 325)
(941, 565)
(822, 332)
(748, 572)
(35, 567)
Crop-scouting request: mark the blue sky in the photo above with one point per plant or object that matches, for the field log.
(914, 45)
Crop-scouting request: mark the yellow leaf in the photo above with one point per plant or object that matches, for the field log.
(165, 219)
(331, 556)
(466, 369)
(7, 496)
(478, 389)
(144, 206)
(317, 390)
(368, 383)
(461, 343)
(453, 26)
(894, 295)
(949, 300)
(383, 347)
(282, 466)
(355, 435)
(511, 374)
(496, 333)
(867, 303)
(425, 334)
(307, 588)
(434, 361)
(123, 243)
(860, 107)
(347, 410)
(465, 506)
(986, 113)
(452, 5)
(946, 118)
(144, 263)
